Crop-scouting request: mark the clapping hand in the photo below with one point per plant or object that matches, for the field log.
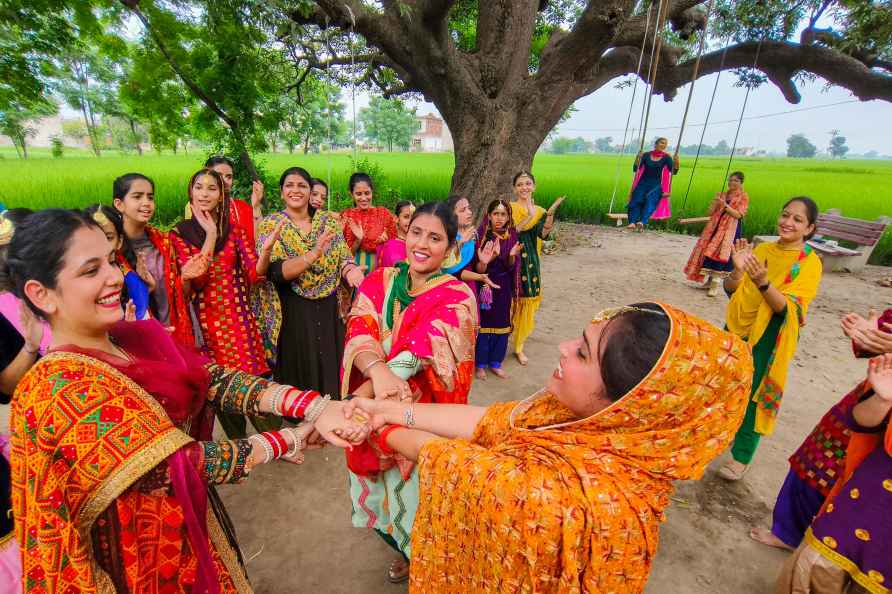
(487, 252)
(384, 237)
(879, 374)
(356, 228)
(273, 237)
(354, 276)
(142, 270)
(195, 267)
(756, 270)
(256, 193)
(739, 254)
(130, 311)
(866, 335)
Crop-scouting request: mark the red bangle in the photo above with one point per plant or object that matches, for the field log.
(382, 438)
(298, 407)
(277, 442)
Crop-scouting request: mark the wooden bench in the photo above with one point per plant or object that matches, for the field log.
(832, 226)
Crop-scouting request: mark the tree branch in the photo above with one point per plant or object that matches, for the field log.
(780, 61)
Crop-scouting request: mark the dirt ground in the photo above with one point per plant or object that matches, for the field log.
(295, 521)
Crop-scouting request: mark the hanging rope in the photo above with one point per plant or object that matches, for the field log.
(629, 116)
(352, 76)
(705, 125)
(648, 85)
(687, 107)
(654, 65)
(749, 87)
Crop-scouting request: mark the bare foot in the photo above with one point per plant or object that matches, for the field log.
(767, 537)
(521, 358)
(630, 226)
(398, 572)
(498, 372)
(480, 374)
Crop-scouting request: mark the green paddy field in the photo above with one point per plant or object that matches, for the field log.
(859, 188)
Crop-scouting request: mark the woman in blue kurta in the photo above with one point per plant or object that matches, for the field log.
(651, 186)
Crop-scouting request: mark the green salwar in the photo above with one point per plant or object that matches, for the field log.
(747, 439)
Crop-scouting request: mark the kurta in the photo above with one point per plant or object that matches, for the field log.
(111, 467)
(429, 343)
(530, 236)
(653, 180)
(222, 295)
(375, 221)
(712, 253)
(391, 252)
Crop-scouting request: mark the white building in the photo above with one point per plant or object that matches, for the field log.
(433, 136)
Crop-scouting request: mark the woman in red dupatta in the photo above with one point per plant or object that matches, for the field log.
(112, 465)
(410, 335)
(711, 259)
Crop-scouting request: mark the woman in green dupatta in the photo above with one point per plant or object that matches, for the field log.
(771, 288)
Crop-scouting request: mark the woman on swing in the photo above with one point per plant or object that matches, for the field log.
(649, 196)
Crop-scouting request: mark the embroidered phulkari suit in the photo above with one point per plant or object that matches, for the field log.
(712, 253)
(540, 501)
(529, 232)
(376, 221)
(773, 337)
(111, 467)
(426, 335)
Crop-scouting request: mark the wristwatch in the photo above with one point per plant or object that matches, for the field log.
(763, 288)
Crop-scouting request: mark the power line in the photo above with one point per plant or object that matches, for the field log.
(734, 121)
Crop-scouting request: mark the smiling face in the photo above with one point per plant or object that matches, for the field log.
(206, 193)
(86, 300)
(793, 225)
(426, 244)
(734, 183)
(403, 219)
(318, 196)
(296, 193)
(524, 187)
(661, 144)
(112, 235)
(463, 213)
(362, 195)
(499, 218)
(138, 205)
(577, 381)
(225, 172)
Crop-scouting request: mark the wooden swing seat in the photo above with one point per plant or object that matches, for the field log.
(619, 217)
(692, 220)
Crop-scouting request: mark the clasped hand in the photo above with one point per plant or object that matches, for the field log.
(745, 261)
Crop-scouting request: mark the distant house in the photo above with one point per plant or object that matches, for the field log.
(46, 129)
(433, 136)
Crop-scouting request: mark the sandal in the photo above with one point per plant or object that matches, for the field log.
(398, 572)
(733, 470)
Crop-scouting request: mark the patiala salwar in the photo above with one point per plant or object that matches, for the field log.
(530, 236)
(652, 181)
(796, 274)
(712, 252)
(426, 335)
(541, 501)
(851, 537)
(375, 222)
(496, 305)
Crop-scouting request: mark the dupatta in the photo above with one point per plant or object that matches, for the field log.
(539, 501)
(85, 430)
(796, 275)
(430, 344)
(179, 306)
(717, 238)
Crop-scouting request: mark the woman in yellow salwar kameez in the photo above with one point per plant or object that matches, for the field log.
(565, 491)
(533, 224)
(771, 288)
(113, 465)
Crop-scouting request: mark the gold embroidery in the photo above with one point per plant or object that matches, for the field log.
(829, 541)
(887, 484)
(876, 576)
(854, 493)
(227, 555)
(862, 534)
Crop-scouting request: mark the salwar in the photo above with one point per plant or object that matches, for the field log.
(806, 571)
(491, 348)
(524, 320)
(367, 259)
(747, 439)
(391, 542)
(643, 203)
(797, 505)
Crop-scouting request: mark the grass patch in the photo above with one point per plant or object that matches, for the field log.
(859, 188)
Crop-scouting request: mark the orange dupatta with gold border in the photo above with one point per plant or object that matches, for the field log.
(540, 502)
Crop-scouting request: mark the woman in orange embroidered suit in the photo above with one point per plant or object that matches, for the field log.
(112, 463)
(411, 335)
(565, 491)
(711, 259)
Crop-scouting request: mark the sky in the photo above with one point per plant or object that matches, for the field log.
(866, 125)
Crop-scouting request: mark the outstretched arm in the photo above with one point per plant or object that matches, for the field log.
(444, 420)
